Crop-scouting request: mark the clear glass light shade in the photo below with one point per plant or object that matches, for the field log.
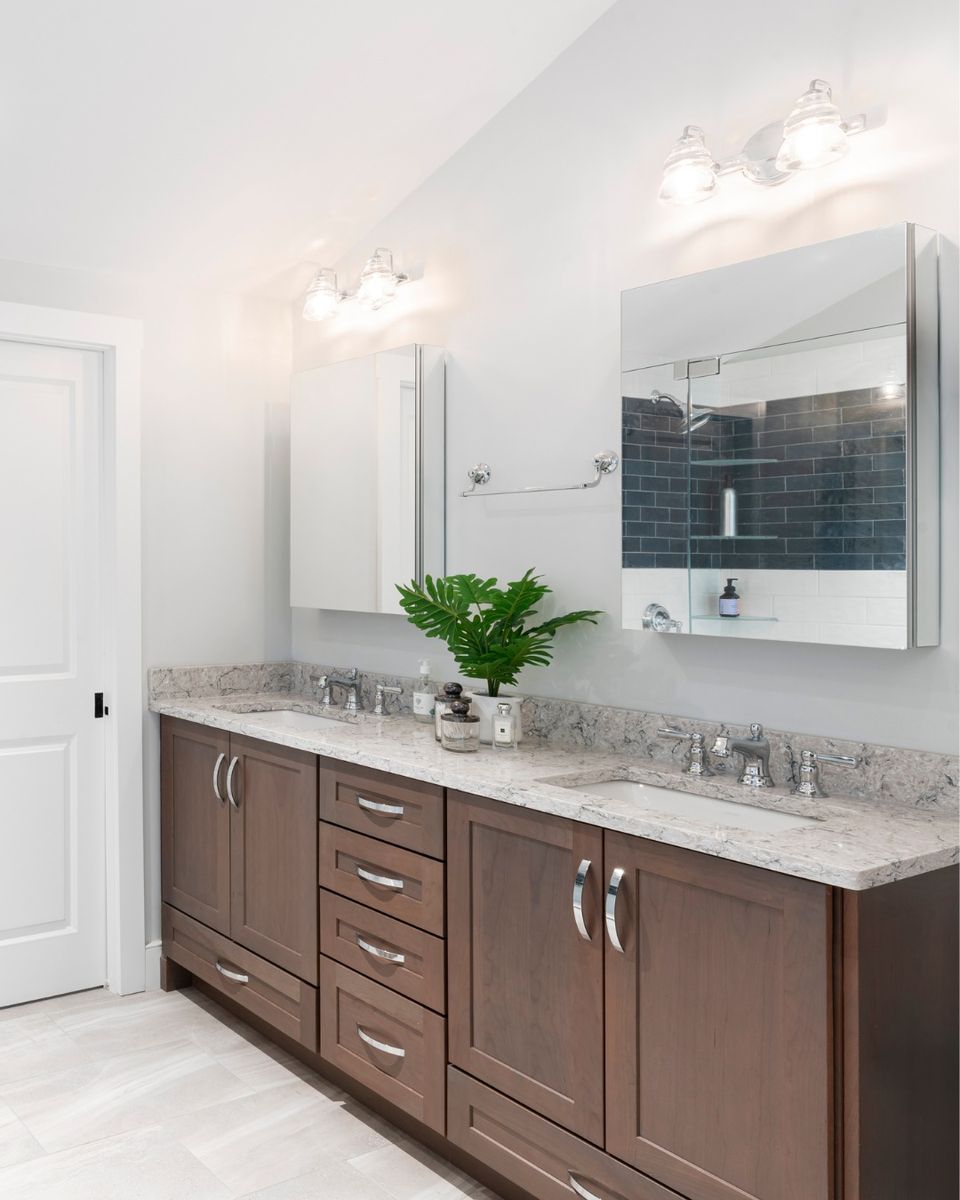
(689, 173)
(378, 282)
(814, 133)
(323, 296)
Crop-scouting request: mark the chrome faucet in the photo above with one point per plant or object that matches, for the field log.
(755, 752)
(350, 683)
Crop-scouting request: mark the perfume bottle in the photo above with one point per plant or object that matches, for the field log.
(504, 728)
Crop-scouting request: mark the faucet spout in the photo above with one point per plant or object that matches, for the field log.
(755, 752)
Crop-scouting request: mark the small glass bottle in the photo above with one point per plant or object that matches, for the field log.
(460, 731)
(442, 701)
(504, 728)
(423, 699)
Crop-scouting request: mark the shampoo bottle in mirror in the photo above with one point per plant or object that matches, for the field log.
(730, 600)
(423, 695)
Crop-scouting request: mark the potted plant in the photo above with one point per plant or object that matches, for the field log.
(487, 630)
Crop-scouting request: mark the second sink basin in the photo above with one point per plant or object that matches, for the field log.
(699, 808)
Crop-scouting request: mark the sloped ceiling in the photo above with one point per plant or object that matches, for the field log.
(225, 141)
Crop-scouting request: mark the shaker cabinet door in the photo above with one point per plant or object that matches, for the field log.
(273, 854)
(718, 1029)
(195, 821)
(525, 990)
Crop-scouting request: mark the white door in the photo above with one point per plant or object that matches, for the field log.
(52, 914)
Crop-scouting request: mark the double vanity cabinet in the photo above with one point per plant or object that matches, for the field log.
(563, 1009)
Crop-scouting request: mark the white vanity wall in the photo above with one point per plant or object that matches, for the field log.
(523, 242)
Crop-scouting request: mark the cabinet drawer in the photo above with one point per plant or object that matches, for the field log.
(535, 1154)
(285, 1002)
(400, 811)
(384, 1041)
(398, 882)
(402, 958)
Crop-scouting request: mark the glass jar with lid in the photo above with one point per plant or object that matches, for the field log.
(459, 728)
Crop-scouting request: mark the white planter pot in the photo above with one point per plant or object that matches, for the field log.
(485, 707)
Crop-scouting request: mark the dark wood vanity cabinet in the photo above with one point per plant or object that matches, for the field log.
(699, 1052)
(526, 989)
(239, 846)
(583, 1012)
(718, 1025)
(718, 1031)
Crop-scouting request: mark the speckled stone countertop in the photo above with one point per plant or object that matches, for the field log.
(855, 843)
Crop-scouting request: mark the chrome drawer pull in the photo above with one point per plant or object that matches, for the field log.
(579, 880)
(228, 974)
(396, 1051)
(216, 775)
(580, 1189)
(385, 810)
(383, 880)
(610, 908)
(379, 952)
(230, 770)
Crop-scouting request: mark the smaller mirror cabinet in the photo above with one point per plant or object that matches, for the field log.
(780, 425)
(367, 479)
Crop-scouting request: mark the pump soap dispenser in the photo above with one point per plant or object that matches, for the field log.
(729, 600)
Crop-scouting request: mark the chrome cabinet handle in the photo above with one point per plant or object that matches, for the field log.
(230, 770)
(236, 976)
(580, 1189)
(396, 1051)
(383, 880)
(379, 952)
(578, 881)
(216, 775)
(386, 810)
(610, 907)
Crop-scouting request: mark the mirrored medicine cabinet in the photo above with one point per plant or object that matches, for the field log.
(367, 483)
(780, 428)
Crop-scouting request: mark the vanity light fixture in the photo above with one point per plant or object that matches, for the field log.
(813, 135)
(378, 280)
(378, 286)
(323, 296)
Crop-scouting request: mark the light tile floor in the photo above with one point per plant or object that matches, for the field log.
(164, 1096)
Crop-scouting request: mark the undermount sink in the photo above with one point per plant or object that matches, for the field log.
(699, 808)
(284, 718)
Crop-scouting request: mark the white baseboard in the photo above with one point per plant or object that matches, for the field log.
(152, 964)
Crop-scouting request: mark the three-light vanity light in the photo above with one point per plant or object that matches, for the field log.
(377, 287)
(813, 135)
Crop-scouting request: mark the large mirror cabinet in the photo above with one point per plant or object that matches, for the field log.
(780, 426)
(367, 479)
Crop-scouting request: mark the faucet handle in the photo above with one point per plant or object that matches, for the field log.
(381, 692)
(808, 783)
(698, 764)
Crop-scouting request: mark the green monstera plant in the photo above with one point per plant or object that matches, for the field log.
(485, 626)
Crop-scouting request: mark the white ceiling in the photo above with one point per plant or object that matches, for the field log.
(227, 140)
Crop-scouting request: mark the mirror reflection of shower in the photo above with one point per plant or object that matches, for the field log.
(689, 423)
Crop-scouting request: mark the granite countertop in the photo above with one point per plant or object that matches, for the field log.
(855, 843)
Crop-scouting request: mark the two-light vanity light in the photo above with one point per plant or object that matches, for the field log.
(378, 286)
(813, 135)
